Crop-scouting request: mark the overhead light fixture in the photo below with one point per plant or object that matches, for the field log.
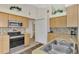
(15, 8)
(56, 11)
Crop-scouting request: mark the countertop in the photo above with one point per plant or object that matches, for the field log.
(39, 51)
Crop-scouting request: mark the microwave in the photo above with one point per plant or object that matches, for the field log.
(14, 23)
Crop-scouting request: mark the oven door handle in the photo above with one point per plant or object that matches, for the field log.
(16, 37)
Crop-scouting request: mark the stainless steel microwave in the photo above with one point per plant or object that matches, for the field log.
(13, 23)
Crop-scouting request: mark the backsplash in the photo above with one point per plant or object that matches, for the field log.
(6, 30)
(3, 30)
(63, 30)
(22, 30)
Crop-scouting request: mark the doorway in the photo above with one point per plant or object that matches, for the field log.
(33, 32)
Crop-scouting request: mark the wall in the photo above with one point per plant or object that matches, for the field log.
(27, 10)
(54, 7)
(63, 30)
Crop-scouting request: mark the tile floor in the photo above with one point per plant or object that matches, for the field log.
(25, 50)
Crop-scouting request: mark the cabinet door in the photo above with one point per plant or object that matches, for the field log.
(78, 15)
(3, 20)
(53, 22)
(25, 22)
(1, 44)
(27, 40)
(5, 44)
(12, 17)
(19, 18)
(59, 21)
(51, 36)
(72, 15)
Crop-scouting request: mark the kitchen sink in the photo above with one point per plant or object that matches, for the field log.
(58, 48)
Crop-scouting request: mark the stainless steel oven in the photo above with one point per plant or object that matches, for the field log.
(16, 39)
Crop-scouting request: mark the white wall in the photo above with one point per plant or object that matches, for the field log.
(26, 9)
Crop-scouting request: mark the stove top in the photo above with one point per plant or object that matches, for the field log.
(11, 34)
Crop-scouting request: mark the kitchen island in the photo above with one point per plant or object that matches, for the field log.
(67, 38)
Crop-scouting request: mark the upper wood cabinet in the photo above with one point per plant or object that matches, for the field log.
(72, 16)
(19, 18)
(3, 20)
(25, 22)
(58, 21)
(12, 17)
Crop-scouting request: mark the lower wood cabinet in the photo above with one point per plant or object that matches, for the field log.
(1, 44)
(27, 40)
(4, 44)
(51, 36)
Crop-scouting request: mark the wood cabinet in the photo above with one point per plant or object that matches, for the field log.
(15, 18)
(78, 15)
(12, 17)
(71, 20)
(72, 16)
(1, 44)
(25, 22)
(3, 20)
(51, 36)
(4, 43)
(27, 40)
(19, 18)
(58, 21)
